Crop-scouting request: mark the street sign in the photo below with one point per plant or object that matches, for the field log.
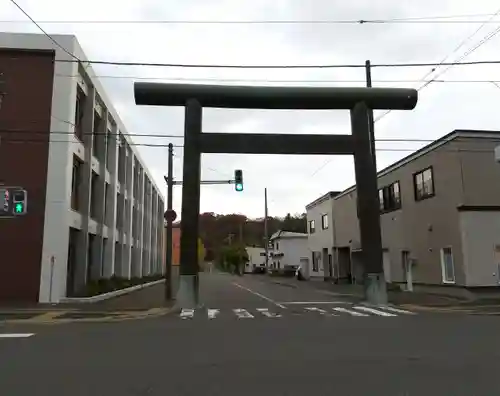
(170, 215)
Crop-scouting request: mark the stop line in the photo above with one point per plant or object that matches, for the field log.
(241, 313)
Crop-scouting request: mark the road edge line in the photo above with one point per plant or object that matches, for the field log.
(259, 295)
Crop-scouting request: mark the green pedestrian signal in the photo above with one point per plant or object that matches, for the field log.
(19, 208)
(19, 201)
(238, 180)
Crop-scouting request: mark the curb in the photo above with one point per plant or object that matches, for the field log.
(109, 295)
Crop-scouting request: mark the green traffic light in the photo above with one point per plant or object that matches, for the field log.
(19, 208)
(239, 187)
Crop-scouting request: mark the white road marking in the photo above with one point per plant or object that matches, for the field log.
(259, 295)
(373, 311)
(242, 313)
(266, 312)
(187, 313)
(321, 311)
(352, 313)
(212, 313)
(399, 310)
(314, 302)
(16, 335)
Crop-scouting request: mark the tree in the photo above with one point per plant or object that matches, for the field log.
(233, 258)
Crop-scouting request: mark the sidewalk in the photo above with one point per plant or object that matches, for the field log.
(147, 298)
(357, 292)
(142, 299)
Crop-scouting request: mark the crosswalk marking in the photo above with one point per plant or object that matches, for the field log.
(373, 311)
(321, 311)
(348, 311)
(187, 313)
(242, 313)
(269, 314)
(16, 335)
(399, 310)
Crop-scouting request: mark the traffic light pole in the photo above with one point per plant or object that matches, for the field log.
(179, 183)
(169, 179)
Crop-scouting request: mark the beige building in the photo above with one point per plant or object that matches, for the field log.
(440, 216)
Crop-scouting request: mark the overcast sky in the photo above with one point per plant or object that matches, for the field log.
(292, 181)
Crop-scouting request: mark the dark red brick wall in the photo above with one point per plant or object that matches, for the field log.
(26, 81)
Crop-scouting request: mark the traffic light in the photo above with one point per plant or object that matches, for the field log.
(238, 180)
(19, 202)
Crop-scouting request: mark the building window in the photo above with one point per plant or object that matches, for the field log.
(96, 145)
(447, 266)
(108, 144)
(75, 183)
(119, 212)
(423, 183)
(312, 227)
(79, 112)
(93, 196)
(106, 199)
(390, 197)
(324, 221)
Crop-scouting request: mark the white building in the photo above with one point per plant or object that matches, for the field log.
(256, 259)
(94, 210)
(289, 251)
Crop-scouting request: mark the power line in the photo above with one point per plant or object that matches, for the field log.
(389, 140)
(44, 32)
(47, 132)
(173, 79)
(210, 66)
(485, 39)
(162, 135)
(429, 19)
(456, 49)
(317, 66)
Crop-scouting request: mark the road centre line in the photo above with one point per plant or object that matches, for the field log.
(259, 295)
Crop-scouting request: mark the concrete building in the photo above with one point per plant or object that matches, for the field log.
(94, 210)
(321, 236)
(289, 250)
(440, 216)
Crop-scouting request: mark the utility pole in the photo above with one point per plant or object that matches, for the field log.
(266, 236)
(371, 122)
(168, 250)
(241, 249)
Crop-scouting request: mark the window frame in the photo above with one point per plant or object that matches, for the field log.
(386, 196)
(312, 226)
(424, 196)
(323, 217)
(76, 174)
(443, 266)
(94, 189)
(81, 98)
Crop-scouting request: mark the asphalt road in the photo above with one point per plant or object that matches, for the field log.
(292, 351)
